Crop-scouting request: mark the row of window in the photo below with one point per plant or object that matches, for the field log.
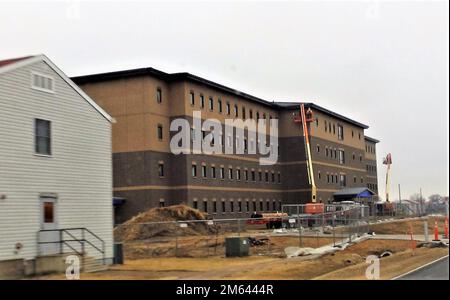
(238, 206)
(370, 149)
(372, 186)
(371, 169)
(341, 179)
(228, 108)
(238, 174)
(333, 129)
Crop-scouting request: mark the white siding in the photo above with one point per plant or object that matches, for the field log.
(79, 170)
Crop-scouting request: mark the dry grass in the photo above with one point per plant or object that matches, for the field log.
(403, 226)
(346, 264)
(390, 266)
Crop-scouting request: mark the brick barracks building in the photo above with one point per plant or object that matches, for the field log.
(147, 174)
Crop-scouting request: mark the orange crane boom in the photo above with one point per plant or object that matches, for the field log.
(305, 118)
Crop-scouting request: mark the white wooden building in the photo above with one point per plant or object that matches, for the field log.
(55, 166)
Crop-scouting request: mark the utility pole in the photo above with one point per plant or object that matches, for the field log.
(421, 203)
(400, 198)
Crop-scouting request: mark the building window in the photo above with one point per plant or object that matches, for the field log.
(279, 177)
(192, 98)
(362, 180)
(230, 173)
(246, 175)
(161, 170)
(195, 204)
(238, 174)
(250, 114)
(228, 108)
(257, 115)
(353, 156)
(211, 103)
(222, 173)
(328, 178)
(326, 151)
(231, 206)
(254, 206)
(202, 101)
(329, 127)
(273, 177)
(318, 148)
(268, 205)
(326, 126)
(260, 176)
(360, 157)
(213, 172)
(205, 205)
(317, 122)
(334, 129)
(43, 137)
(214, 207)
(359, 135)
(160, 132)
(219, 103)
(243, 112)
(266, 176)
(261, 205)
(341, 157)
(162, 203)
(318, 174)
(274, 205)
(194, 171)
(224, 209)
(236, 112)
(247, 205)
(253, 176)
(204, 171)
(340, 132)
(239, 206)
(353, 133)
(158, 95)
(42, 82)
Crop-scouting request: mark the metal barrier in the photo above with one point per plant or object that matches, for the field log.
(203, 238)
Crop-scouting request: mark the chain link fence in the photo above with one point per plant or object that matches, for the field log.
(266, 236)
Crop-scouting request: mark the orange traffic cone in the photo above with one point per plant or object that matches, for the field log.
(436, 232)
(446, 228)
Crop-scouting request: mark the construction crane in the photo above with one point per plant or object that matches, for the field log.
(388, 161)
(304, 118)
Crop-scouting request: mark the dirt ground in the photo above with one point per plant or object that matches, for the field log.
(346, 264)
(212, 245)
(403, 226)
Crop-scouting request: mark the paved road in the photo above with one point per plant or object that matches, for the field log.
(437, 270)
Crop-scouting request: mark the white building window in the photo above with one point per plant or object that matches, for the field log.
(42, 82)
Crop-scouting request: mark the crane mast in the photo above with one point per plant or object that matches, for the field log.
(388, 161)
(304, 119)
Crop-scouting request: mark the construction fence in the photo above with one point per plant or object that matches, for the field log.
(203, 238)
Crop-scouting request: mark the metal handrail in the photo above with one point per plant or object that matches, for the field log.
(81, 241)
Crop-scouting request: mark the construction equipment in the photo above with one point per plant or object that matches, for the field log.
(271, 220)
(304, 118)
(388, 161)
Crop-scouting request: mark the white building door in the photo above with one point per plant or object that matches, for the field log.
(49, 222)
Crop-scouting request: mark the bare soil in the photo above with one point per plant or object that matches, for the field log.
(346, 264)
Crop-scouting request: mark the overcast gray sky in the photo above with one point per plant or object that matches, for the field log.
(382, 63)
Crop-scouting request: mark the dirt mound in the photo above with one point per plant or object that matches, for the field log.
(137, 228)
